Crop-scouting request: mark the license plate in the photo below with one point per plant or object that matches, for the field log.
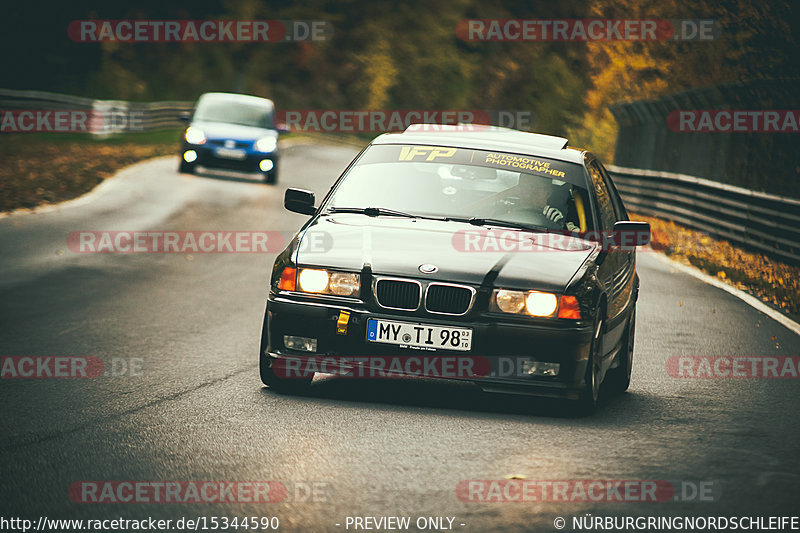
(230, 153)
(419, 335)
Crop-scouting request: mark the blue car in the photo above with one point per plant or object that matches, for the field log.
(233, 132)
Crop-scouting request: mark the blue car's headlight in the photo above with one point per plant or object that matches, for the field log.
(195, 135)
(266, 144)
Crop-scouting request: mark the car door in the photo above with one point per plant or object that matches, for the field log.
(627, 255)
(611, 272)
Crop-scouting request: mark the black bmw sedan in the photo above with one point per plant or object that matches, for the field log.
(491, 255)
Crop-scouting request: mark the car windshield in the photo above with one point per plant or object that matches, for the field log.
(468, 184)
(231, 112)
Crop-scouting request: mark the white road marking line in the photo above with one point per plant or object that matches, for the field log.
(750, 300)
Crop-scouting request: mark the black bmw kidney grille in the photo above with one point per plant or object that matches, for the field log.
(397, 294)
(448, 299)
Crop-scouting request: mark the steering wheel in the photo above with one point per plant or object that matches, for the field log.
(531, 215)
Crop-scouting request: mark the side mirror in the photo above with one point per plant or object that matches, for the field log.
(299, 201)
(185, 116)
(282, 127)
(628, 234)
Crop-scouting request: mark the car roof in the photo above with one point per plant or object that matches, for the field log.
(486, 138)
(233, 97)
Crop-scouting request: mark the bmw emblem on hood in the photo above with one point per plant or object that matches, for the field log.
(428, 268)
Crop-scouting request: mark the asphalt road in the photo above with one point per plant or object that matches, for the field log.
(196, 410)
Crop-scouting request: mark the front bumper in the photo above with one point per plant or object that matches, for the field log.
(499, 344)
(207, 157)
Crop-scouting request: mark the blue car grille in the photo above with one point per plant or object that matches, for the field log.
(237, 144)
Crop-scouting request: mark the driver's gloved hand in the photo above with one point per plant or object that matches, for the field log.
(552, 213)
(555, 215)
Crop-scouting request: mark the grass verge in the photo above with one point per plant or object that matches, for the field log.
(41, 168)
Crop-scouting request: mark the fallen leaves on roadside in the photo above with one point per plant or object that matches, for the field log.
(36, 171)
(776, 283)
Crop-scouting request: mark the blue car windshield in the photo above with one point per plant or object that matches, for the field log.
(234, 113)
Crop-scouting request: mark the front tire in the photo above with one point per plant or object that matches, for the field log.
(619, 379)
(271, 177)
(186, 168)
(586, 404)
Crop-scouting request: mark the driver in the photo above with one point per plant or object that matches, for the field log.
(538, 193)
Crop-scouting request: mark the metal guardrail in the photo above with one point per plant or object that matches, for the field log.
(107, 116)
(764, 222)
(744, 159)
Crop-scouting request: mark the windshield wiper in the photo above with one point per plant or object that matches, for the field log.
(372, 211)
(475, 221)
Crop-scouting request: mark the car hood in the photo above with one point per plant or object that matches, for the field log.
(222, 131)
(398, 246)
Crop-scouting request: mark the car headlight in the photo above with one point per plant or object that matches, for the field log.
(194, 135)
(533, 303)
(344, 284)
(320, 281)
(541, 303)
(312, 280)
(510, 301)
(266, 144)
